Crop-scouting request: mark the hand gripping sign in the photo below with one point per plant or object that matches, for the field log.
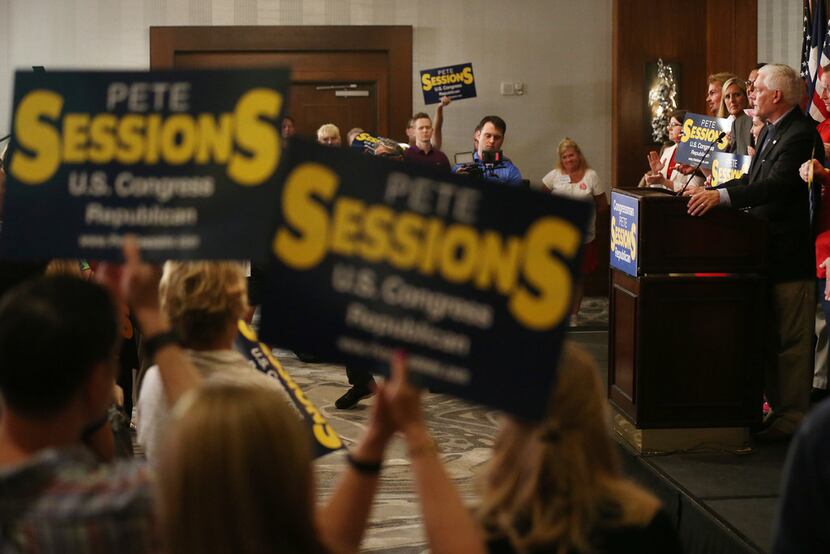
(184, 160)
(474, 281)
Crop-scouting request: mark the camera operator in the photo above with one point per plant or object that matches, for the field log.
(489, 162)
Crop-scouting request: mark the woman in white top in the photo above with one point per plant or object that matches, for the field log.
(204, 302)
(665, 172)
(573, 178)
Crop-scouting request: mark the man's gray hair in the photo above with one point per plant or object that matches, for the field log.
(784, 78)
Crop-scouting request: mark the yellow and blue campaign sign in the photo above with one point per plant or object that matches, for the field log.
(184, 160)
(455, 81)
(371, 256)
(324, 438)
(625, 213)
(699, 134)
(726, 167)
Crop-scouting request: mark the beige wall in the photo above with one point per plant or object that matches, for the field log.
(560, 49)
(779, 32)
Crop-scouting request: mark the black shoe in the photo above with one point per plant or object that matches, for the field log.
(352, 397)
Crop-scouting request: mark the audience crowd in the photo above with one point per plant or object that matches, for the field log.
(228, 467)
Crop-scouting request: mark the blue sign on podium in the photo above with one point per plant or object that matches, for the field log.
(625, 230)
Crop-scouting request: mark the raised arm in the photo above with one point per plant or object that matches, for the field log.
(449, 525)
(342, 521)
(437, 137)
(139, 285)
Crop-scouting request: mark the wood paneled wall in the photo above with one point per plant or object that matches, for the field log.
(701, 36)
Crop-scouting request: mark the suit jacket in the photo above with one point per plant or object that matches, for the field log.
(741, 135)
(774, 192)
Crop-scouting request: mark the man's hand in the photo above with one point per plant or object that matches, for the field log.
(703, 201)
(691, 190)
(814, 167)
(445, 101)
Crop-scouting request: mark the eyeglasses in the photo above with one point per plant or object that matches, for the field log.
(748, 84)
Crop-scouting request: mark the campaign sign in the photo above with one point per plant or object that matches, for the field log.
(366, 142)
(625, 214)
(371, 256)
(699, 134)
(726, 167)
(324, 439)
(185, 160)
(455, 81)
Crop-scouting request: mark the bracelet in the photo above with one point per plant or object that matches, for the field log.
(427, 447)
(366, 468)
(157, 342)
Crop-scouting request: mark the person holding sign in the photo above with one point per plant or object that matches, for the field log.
(734, 101)
(775, 193)
(437, 125)
(489, 163)
(665, 172)
(572, 177)
(423, 152)
(556, 485)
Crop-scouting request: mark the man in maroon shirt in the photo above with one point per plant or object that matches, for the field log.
(422, 151)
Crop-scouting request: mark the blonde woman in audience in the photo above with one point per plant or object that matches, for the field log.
(204, 302)
(734, 101)
(329, 135)
(556, 486)
(573, 177)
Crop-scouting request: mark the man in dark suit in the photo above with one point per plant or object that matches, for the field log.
(774, 192)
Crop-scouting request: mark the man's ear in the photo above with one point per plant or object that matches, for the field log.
(777, 97)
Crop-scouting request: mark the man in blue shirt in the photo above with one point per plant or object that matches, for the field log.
(488, 160)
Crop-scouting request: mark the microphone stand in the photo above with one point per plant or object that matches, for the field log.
(717, 140)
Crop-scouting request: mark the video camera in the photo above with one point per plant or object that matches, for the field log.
(468, 165)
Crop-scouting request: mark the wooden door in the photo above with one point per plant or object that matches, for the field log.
(311, 107)
(377, 59)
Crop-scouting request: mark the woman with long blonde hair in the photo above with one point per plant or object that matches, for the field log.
(556, 485)
(237, 476)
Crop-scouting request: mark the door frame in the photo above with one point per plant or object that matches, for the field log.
(394, 40)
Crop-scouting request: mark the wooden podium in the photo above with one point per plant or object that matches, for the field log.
(687, 311)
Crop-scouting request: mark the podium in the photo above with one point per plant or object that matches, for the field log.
(687, 319)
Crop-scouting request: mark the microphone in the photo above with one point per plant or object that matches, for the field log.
(717, 140)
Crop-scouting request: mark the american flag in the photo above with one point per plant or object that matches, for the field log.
(815, 52)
